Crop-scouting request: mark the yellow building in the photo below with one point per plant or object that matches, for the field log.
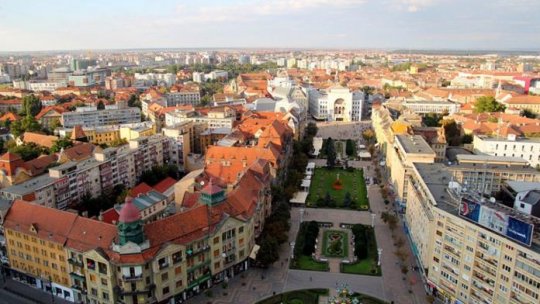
(133, 131)
(36, 247)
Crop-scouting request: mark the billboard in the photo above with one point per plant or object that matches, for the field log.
(497, 221)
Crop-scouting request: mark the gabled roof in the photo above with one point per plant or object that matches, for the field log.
(44, 111)
(165, 185)
(50, 224)
(8, 156)
(10, 116)
(39, 139)
(39, 165)
(79, 151)
(141, 188)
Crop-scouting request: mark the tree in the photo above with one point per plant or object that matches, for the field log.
(27, 151)
(452, 132)
(349, 147)
(311, 129)
(55, 124)
(347, 200)
(268, 253)
(487, 104)
(528, 113)
(31, 105)
(16, 128)
(330, 153)
(368, 135)
(101, 105)
(60, 144)
(467, 139)
(30, 124)
(432, 120)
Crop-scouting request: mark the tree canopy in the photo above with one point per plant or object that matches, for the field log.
(487, 104)
(31, 105)
(330, 153)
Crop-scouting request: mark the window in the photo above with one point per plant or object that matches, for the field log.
(241, 229)
(164, 276)
(104, 282)
(216, 240)
(163, 263)
(177, 257)
(217, 265)
(216, 253)
(90, 264)
(105, 296)
(178, 270)
(102, 268)
(178, 283)
(165, 290)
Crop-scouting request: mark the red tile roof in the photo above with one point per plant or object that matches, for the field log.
(141, 188)
(165, 185)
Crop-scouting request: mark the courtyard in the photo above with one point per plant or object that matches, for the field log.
(335, 243)
(329, 188)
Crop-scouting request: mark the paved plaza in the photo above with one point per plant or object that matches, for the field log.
(343, 130)
(256, 284)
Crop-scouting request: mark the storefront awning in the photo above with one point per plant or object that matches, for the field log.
(254, 251)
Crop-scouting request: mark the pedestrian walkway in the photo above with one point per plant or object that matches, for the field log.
(28, 294)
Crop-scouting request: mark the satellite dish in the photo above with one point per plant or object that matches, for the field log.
(492, 199)
(202, 183)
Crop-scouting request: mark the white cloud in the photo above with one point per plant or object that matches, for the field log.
(415, 5)
(253, 9)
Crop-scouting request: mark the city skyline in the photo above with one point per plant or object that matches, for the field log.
(391, 24)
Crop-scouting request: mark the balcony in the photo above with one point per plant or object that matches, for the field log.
(197, 251)
(163, 265)
(77, 275)
(197, 266)
(123, 292)
(196, 282)
(75, 262)
(132, 277)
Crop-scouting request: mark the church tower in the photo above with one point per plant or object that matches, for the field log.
(130, 224)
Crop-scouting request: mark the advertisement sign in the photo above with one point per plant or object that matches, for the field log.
(497, 221)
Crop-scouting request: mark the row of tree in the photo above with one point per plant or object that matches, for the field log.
(306, 239)
(363, 240)
(274, 234)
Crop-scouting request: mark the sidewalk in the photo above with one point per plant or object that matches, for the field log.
(30, 294)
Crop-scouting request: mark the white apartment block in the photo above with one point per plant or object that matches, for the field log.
(166, 79)
(431, 106)
(183, 98)
(470, 251)
(91, 117)
(336, 104)
(36, 86)
(525, 148)
(214, 119)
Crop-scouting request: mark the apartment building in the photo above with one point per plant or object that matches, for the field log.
(470, 250)
(408, 149)
(221, 117)
(91, 117)
(67, 183)
(512, 146)
(431, 106)
(88, 78)
(182, 137)
(133, 262)
(486, 174)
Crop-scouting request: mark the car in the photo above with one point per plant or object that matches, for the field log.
(4, 260)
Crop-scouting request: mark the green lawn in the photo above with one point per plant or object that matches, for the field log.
(353, 182)
(367, 266)
(305, 262)
(343, 244)
(305, 296)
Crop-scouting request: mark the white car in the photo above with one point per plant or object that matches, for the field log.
(4, 260)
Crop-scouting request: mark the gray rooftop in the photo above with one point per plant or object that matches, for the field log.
(414, 144)
(30, 186)
(490, 159)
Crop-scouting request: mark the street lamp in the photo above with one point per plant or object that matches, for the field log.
(373, 220)
(292, 249)
(379, 252)
(302, 210)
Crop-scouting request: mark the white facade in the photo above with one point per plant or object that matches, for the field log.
(183, 98)
(212, 121)
(167, 79)
(528, 149)
(90, 117)
(431, 106)
(336, 104)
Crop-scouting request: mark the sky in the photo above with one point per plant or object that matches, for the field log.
(36, 25)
